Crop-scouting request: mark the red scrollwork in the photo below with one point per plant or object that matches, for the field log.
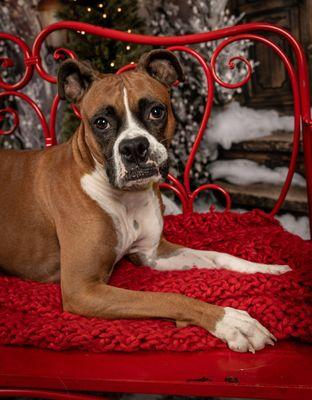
(211, 186)
(295, 88)
(62, 53)
(231, 64)
(8, 63)
(209, 100)
(48, 138)
(11, 111)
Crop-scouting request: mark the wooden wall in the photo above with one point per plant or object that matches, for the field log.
(269, 86)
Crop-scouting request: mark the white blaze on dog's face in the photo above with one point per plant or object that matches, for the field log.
(139, 156)
(130, 125)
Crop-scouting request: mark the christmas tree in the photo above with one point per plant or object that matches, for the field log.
(105, 55)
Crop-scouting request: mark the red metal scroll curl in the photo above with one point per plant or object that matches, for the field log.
(49, 141)
(6, 62)
(211, 186)
(11, 111)
(231, 64)
(62, 53)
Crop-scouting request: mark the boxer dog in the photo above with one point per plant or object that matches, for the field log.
(71, 212)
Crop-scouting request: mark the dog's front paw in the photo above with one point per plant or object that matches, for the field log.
(241, 332)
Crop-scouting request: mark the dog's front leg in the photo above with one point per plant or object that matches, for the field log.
(236, 328)
(86, 260)
(175, 257)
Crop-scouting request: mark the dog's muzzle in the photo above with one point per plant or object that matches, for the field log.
(141, 163)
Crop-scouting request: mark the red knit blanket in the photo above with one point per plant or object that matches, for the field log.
(31, 313)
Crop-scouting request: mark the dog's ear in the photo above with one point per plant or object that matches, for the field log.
(162, 65)
(73, 79)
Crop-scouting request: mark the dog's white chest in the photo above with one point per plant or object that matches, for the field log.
(136, 215)
(144, 222)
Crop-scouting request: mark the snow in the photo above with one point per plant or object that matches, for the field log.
(236, 123)
(246, 172)
(298, 226)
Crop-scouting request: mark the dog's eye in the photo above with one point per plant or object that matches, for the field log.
(101, 123)
(156, 112)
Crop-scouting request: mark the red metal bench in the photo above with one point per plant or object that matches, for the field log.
(280, 373)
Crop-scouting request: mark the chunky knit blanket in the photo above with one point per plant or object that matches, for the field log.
(31, 313)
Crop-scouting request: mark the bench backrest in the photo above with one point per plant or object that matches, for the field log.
(298, 76)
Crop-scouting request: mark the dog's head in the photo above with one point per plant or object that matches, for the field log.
(128, 120)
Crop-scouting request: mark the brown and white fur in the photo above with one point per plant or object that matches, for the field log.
(70, 213)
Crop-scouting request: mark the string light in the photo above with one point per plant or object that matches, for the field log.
(132, 62)
(112, 64)
(100, 5)
(119, 9)
(89, 9)
(128, 47)
(83, 32)
(104, 15)
(129, 31)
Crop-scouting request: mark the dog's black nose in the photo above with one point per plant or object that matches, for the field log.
(134, 150)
